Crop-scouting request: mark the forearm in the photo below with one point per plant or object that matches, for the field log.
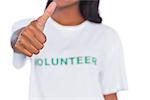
(14, 38)
(18, 58)
(112, 96)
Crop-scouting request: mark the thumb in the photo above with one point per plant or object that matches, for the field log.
(48, 13)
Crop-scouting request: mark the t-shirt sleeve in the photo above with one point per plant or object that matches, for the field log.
(18, 58)
(113, 75)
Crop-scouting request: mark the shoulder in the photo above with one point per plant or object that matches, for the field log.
(105, 31)
(103, 28)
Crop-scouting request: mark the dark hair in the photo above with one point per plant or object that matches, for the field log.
(89, 10)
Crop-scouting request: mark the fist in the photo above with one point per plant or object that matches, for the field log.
(31, 39)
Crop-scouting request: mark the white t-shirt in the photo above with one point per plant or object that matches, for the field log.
(81, 62)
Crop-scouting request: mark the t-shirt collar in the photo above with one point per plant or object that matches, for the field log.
(67, 28)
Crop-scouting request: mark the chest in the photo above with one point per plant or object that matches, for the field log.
(82, 50)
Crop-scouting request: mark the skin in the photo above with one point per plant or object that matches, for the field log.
(30, 39)
(112, 96)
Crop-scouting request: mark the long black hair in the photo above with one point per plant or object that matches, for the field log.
(89, 10)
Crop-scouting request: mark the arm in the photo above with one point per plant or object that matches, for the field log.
(112, 96)
(14, 38)
(112, 75)
(18, 58)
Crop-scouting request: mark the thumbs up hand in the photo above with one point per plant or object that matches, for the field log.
(31, 38)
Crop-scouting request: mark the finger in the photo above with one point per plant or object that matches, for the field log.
(48, 12)
(28, 46)
(21, 49)
(33, 41)
(37, 33)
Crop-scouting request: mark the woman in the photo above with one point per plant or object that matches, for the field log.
(73, 55)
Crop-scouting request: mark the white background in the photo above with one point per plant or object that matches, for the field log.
(131, 18)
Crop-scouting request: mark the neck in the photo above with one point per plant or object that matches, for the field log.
(68, 15)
